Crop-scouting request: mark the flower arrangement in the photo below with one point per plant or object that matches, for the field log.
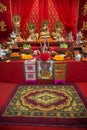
(45, 56)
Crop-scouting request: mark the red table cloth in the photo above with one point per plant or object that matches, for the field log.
(13, 71)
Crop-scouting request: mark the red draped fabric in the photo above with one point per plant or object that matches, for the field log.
(37, 10)
(43, 10)
(40, 10)
(22, 8)
(53, 15)
(68, 12)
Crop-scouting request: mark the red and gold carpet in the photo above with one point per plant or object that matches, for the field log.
(46, 105)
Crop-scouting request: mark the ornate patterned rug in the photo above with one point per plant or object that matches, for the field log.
(46, 105)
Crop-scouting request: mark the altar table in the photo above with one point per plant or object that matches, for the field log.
(13, 72)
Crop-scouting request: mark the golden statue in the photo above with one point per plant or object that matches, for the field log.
(16, 21)
(57, 34)
(45, 34)
(32, 36)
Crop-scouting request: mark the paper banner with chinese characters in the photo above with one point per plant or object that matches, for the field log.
(82, 18)
(5, 19)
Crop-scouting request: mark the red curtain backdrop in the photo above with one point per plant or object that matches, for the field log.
(53, 15)
(43, 10)
(37, 10)
(5, 19)
(68, 12)
(82, 19)
(34, 15)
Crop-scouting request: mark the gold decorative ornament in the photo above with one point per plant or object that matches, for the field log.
(2, 7)
(84, 27)
(2, 26)
(84, 9)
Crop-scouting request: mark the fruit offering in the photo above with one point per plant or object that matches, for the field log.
(68, 55)
(84, 59)
(58, 57)
(63, 45)
(26, 56)
(26, 46)
(15, 54)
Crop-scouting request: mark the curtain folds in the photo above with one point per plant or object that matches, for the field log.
(68, 12)
(43, 10)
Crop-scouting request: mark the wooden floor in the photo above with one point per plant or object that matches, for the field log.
(5, 91)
